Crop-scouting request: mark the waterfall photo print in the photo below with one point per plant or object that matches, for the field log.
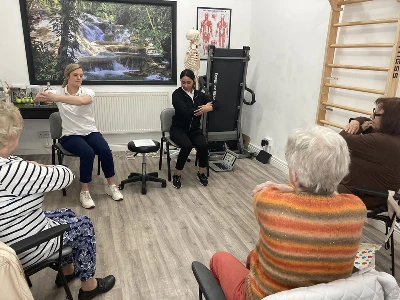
(115, 41)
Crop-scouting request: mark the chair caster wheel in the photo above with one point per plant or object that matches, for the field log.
(121, 187)
(144, 191)
(164, 184)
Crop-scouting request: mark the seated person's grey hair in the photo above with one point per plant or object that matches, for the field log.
(11, 123)
(320, 157)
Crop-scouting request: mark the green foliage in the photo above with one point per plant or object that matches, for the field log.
(45, 60)
(102, 10)
(151, 23)
(147, 25)
(66, 25)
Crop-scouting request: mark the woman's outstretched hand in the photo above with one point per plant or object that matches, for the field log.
(45, 97)
(203, 109)
(352, 127)
(284, 188)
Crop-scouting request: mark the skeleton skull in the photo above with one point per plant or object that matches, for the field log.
(193, 35)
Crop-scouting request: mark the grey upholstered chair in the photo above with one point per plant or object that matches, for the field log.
(56, 133)
(166, 122)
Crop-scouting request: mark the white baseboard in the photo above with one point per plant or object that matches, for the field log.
(274, 161)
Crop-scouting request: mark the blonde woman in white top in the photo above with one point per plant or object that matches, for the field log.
(79, 132)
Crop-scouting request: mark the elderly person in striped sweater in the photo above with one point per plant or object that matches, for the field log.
(309, 233)
(22, 187)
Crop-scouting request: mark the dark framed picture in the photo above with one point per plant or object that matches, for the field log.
(115, 41)
(214, 25)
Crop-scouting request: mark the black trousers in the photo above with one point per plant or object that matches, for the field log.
(186, 141)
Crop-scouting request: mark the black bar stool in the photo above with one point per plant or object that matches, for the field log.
(143, 177)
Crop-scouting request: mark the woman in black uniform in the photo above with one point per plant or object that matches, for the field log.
(189, 105)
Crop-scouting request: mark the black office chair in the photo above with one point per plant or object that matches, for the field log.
(56, 133)
(53, 261)
(388, 215)
(166, 122)
(208, 286)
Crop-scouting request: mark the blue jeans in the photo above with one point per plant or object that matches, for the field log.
(86, 147)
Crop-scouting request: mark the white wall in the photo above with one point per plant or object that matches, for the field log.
(13, 67)
(287, 41)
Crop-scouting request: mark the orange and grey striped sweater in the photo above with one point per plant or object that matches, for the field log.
(304, 240)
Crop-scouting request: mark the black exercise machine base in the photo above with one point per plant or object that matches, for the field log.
(135, 177)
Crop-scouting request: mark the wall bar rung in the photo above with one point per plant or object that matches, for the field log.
(331, 124)
(367, 68)
(357, 110)
(352, 2)
(353, 88)
(362, 45)
(367, 22)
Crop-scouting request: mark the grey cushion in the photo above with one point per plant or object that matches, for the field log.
(171, 142)
(55, 125)
(63, 151)
(166, 119)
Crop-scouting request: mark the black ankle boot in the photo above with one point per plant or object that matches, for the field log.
(103, 286)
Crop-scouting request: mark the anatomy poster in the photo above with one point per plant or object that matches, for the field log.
(214, 25)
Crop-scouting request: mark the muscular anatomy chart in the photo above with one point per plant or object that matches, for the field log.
(214, 26)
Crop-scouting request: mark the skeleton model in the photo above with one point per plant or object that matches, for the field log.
(192, 57)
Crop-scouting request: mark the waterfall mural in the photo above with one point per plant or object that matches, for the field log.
(115, 41)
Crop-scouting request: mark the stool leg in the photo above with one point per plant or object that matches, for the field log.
(144, 191)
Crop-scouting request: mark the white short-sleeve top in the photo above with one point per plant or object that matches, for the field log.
(77, 120)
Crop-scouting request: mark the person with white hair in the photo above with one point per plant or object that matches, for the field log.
(80, 135)
(309, 233)
(22, 187)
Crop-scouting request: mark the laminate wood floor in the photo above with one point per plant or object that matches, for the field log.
(149, 241)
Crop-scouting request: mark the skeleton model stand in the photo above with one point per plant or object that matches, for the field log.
(192, 57)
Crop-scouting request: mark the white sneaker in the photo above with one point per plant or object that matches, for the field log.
(86, 200)
(113, 192)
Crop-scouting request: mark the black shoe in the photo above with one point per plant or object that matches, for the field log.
(103, 286)
(202, 178)
(176, 181)
(69, 278)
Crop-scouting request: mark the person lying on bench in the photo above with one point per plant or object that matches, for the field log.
(309, 233)
(374, 149)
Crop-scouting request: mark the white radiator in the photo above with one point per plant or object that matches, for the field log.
(129, 112)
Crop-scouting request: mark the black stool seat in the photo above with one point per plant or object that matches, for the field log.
(144, 149)
(143, 177)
